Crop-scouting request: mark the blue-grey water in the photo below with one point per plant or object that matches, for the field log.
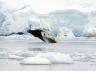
(83, 53)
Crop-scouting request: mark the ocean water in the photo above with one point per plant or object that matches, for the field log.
(83, 54)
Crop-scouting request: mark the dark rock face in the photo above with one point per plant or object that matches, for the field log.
(43, 35)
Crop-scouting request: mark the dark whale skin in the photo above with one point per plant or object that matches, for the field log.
(36, 33)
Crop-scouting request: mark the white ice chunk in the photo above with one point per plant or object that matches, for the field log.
(57, 58)
(13, 56)
(35, 60)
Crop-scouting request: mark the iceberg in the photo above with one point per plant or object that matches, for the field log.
(35, 61)
(56, 57)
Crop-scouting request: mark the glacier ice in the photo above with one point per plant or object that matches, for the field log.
(16, 36)
(73, 19)
(77, 22)
(24, 19)
(90, 28)
(64, 32)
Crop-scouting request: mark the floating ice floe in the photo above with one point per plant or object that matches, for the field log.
(78, 56)
(43, 57)
(13, 56)
(24, 53)
(84, 57)
(20, 54)
(57, 58)
(35, 60)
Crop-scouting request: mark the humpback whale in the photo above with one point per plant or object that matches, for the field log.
(45, 36)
